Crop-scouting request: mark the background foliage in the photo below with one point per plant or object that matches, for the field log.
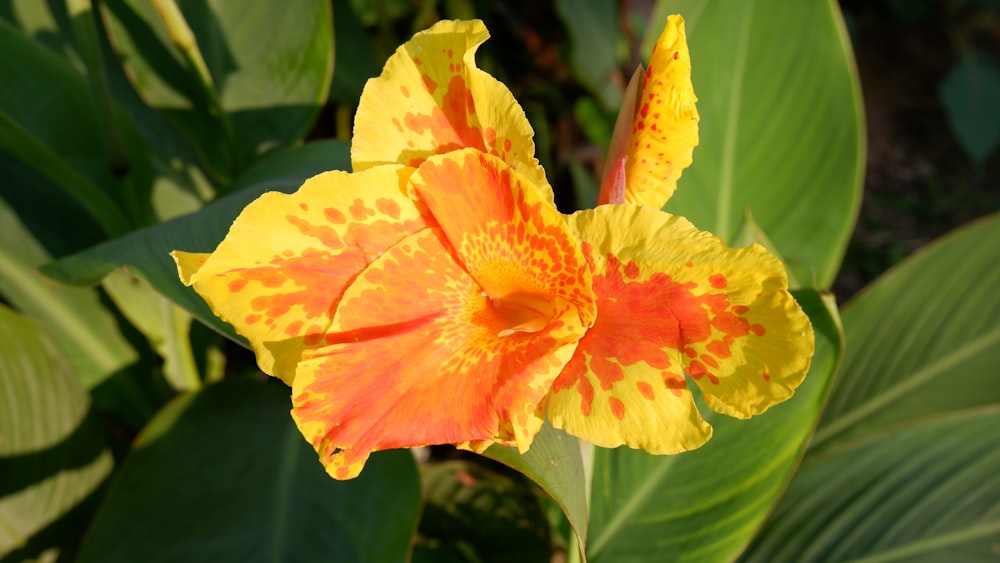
(131, 430)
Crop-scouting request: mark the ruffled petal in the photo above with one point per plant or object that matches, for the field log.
(418, 354)
(279, 273)
(673, 300)
(665, 130)
(431, 99)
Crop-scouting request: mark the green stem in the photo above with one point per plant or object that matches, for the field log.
(183, 38)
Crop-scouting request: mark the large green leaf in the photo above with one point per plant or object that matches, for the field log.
(904, 464)
(53, 454)
(75, 316)
(706, 505)
(924, 340)
(253, 78)
(781, 127)
(224, 475)
(147, 252)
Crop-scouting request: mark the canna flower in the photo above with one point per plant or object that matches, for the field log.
(435, 295)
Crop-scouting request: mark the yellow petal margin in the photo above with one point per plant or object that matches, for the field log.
(429, 349)
(287, 259)
(665, 130)
(431, 99)
(675, 301)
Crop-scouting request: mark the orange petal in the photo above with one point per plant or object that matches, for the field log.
(496, 219)
(431, 99)
(665, 130)
(417, 355)
(279, 273)
(673, 300)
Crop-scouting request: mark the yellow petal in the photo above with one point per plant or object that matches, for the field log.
(287, 259)
(665, 130)
(431, 99)
(673, 300)
(188, 263)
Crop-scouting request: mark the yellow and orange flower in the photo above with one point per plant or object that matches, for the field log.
(435, 295)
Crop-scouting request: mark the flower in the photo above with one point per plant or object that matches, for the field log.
(435, 294)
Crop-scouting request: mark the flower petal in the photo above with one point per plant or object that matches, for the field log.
(665, 130)
(431, 99)
(279, 273)
(495, 218)
(417, 355)
(671, 297)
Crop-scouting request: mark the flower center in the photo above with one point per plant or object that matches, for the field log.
(523, 312)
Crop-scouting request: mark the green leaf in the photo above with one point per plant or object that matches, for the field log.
(252, 78)
(903, 465)
(556, 462)
(76, 318)
(706, 505)
(165, 325)
(927, 492)
(47, 23)
(146, 253)
(223, 474)
(355, 57)
(970, 93)
(53, 453)
(473, 513)
(781, 127)
(925, 340)
(593, 33)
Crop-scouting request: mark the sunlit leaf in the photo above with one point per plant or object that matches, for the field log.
(76, 318)
(903, 465)
(268, 70)
(53, 454)
(223, 474)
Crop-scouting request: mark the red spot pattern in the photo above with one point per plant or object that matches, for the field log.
(668, 324)
(418, 361)
(310, 281)
(489, 218)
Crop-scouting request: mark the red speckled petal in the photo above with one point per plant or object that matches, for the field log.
(665, 130)
(279, 273)
(673, 300)
(502, 226)
(431, 99)
(419, 354)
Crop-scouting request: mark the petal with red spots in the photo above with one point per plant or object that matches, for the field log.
(665, 129)
(419, 354)
(431, 99)
(279, 273)
(507, 235)
(673, 300)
